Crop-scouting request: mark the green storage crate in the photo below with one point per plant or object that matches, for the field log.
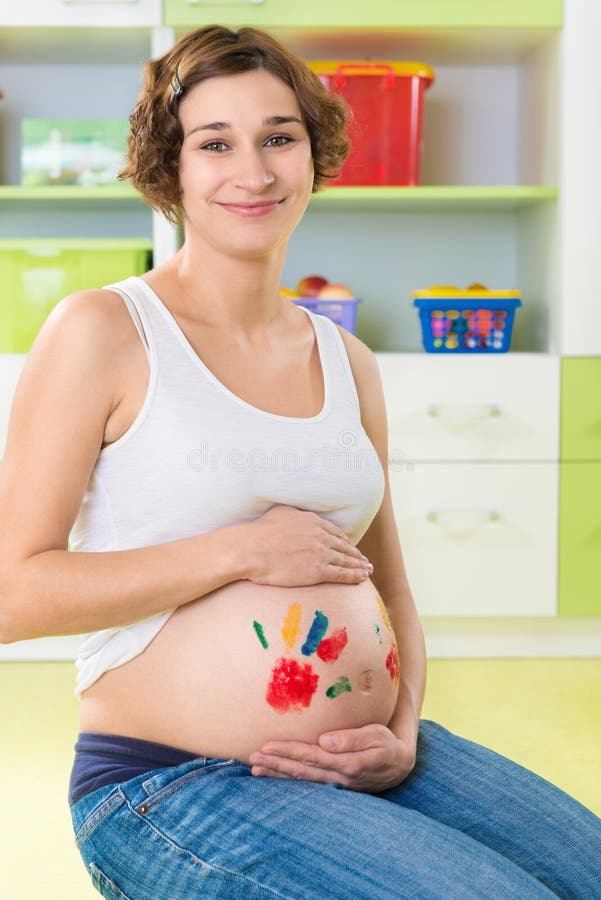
(36, 273)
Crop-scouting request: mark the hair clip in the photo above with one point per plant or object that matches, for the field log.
(175, 81)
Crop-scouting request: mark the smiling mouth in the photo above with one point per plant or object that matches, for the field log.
(258, 208)
(252, 205)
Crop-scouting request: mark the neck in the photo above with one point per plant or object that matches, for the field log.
(235, 296)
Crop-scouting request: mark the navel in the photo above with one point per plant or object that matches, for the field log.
(366, 681)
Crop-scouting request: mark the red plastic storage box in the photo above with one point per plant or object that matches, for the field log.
(386, 99)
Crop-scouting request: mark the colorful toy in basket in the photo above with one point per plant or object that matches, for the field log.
(471, 320)
(334, 300)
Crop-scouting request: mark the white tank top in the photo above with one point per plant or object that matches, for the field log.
(198, 457)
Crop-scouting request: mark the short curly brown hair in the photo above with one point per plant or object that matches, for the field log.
(156, 135)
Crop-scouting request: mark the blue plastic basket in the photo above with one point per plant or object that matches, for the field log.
(343, 312)
(467, 324)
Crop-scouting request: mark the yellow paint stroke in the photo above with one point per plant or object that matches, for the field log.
(385, 615)
(291, 624)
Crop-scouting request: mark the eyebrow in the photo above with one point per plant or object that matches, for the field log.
(222, 126)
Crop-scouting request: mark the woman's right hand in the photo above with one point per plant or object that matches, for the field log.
(291, 547)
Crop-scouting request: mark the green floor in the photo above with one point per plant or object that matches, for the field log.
(542, 713)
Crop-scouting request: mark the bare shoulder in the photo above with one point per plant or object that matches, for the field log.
(61, 404)
(92, 328)
(75, 357)
(364, 365)
(97, 311)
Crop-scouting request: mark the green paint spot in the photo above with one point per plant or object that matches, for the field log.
(260, 634)
(342, 685)
(378, 634)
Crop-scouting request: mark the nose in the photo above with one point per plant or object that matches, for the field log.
(254, 172)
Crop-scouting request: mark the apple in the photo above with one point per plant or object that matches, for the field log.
(335, 292)
(311, 285)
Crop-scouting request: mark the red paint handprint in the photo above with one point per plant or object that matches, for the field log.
(294, 683)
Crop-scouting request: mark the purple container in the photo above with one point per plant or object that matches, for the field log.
(342, 312)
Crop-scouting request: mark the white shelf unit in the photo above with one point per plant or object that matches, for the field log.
(488, 121)
(509, 107)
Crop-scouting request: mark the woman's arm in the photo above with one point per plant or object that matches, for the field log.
(381, 545)
(64, 397)
(66, 393)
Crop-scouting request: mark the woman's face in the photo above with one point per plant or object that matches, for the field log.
(245, 167)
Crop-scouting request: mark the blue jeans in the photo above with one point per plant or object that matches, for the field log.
(466, 823)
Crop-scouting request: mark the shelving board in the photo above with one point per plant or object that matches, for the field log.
(483, 46)
(75, 243)
(425, 197)
(341, 13)
(72, 192)
(54, 193)
(429, 198)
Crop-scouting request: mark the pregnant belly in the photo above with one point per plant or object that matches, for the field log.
(249, 662)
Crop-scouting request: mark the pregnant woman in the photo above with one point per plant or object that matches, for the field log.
(253, 668)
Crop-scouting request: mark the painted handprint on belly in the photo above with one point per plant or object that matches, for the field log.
(293, 682)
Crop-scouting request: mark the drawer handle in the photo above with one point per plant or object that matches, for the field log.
(224, 2)
(98, 2)
(463, 413)
(462, 522)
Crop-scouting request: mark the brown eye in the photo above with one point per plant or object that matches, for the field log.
(214, 146)
(281, 139)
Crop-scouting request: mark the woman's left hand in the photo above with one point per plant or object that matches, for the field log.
(368, 759)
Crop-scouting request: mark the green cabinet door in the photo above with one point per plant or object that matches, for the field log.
(369, 13)
(581, 408)
(580, 539)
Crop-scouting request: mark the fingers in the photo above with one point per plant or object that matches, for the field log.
(349, 740)
(344, 575)
(349, 549)
(348, 567)
(286, 755)
(351, 561)
(344, 544)
(334, 529)
(302, 752)
(294, 759)
(273, 767)
(376, 762)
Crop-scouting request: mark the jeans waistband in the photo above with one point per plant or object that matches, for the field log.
(102, 759)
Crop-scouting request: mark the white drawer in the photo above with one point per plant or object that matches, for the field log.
(479, 539)
(11, 366)
(471, 408)
(82, 12)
